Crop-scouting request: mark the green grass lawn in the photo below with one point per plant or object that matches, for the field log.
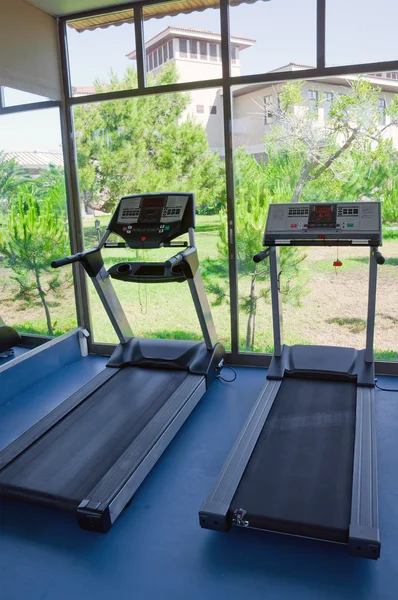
(333, 312)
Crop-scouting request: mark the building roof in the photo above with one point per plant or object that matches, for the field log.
(37, 160)
(384, 83)
(199, 34)
(83, 90)
(152, 11)
(292, 67)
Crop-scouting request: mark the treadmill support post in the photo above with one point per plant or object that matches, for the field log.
(110, 301)
(276, 298)
(202, 308)
(370, 323)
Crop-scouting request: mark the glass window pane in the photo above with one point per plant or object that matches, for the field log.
(360, 31)
(190, 33)
(273, 36)
(34, 298)
(15, 97)
(193, 48)
(120, 151)
(203, 50)
(103, 58)
(286, 137)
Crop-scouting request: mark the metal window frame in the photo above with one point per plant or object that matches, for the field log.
(226, 83)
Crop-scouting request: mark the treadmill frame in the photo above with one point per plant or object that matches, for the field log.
(98, 511)
(363, 534)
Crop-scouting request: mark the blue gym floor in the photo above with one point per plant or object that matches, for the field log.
(156, 548)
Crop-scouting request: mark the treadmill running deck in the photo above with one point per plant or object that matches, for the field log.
(299, 477)
(65, 464)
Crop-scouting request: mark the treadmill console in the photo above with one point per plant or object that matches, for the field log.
(328, 223)
(150, 220)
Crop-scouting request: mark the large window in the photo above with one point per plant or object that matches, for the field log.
(294, 136)
(278, 35)
(33, 223)
(301, 158)
(102, 55)
(356, 33)
(119, 153)
(194, 38)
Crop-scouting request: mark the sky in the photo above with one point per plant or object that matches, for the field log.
(357, 31)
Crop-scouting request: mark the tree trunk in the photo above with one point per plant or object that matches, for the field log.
(44, 302)
(252, 315)
(302, 181)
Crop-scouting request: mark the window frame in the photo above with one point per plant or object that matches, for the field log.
(226, 81)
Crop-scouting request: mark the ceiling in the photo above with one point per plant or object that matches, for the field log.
(59, 8)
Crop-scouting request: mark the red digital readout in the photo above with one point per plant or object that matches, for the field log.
(322, 213)
(153, 202)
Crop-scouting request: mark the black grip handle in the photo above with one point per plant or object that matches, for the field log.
(379, 257)
(174, 260)
(61, 262)
(261, 255)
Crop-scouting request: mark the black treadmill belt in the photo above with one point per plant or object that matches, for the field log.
(71, 458)
(299, 477)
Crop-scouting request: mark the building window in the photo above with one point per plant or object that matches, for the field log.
(160, 56)
(278, 102)
(268, 112)
(183, 48)
(213, 52)
(165, 53)
(213, 109)
(313, 100)
(329, 97)
(200, 108)
(171, 54)
(203, 50)
(382, 111)
(234, 55)
(155, 59)
(151, 61)
(193, 49)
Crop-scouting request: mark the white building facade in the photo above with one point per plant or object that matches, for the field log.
(197, 56)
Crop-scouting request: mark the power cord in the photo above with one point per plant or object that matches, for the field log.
(223, 378)
(385, 389)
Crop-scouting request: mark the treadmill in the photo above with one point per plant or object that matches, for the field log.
(91, 453)
(304, 463)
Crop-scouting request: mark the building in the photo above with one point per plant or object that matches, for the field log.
(255, 106)
(197, 56)
(36, 162)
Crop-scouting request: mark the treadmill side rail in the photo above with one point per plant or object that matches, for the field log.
(115, 490)
(364, 534)
(214, 512)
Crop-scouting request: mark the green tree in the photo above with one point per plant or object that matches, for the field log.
(329, 153)
(142, 144)
(255, 189)
(12, 176)
(34, 235)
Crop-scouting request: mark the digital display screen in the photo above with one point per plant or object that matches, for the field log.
(322, 215)
(151, 202)
(151, 210)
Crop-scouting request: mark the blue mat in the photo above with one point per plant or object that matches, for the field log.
(157, 549)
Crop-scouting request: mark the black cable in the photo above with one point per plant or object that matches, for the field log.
(385, 389)
(227, 380)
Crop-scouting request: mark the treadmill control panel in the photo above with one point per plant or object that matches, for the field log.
(330, 223)
(149, 220)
